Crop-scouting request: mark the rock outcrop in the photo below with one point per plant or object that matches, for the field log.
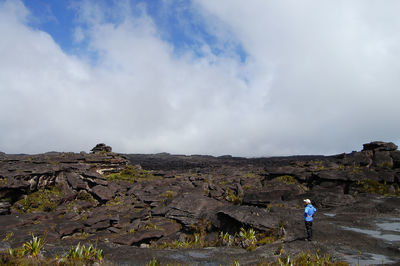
(138, 199)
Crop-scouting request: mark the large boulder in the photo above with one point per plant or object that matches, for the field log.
(396, 158)
(233, 217)
(383, 159)
(380, 146)
(189, 209)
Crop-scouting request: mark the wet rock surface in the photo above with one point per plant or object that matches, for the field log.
(128, 201)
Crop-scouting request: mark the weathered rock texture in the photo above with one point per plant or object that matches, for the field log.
(175, 196)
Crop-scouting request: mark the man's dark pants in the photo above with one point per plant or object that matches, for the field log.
(309, 230)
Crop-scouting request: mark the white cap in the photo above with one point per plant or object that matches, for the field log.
(307, 201)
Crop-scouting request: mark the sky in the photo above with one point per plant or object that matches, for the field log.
(246, 78)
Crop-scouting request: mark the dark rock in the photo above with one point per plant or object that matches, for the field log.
(331, 199)
(273, 192)
(249, 216)
(396, 158)
(101, 225)
(101, 147)
(114, 230)
(18, 183)
(297, 172)
(102, 192)
(382, 159)
(363, 158)
(66, 228)
(380, 146)
(189, 209)
(97, 218)
(142, 214)
(76, 181)
(136, 238)
(4, 207)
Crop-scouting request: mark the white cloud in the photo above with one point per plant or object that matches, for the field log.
(319, 78)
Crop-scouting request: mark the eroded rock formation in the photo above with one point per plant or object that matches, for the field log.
(141, 199)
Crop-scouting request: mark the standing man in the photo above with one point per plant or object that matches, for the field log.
(308, 218)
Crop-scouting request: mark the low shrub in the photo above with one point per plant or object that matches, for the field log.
(287, 179)
(41, 200)
(131, 174)
(375, 187)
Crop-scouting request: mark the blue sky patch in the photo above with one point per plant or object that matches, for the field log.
(177, 22)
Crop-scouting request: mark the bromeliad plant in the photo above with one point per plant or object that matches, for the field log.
(34, 246)
(248, 237)
(82, 252)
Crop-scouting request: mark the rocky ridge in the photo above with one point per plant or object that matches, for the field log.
(141, 200)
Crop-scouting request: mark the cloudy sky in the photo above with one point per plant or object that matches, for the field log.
(248, 78)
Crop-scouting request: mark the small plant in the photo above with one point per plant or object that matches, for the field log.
(287, 179)
(227, 239)
(153, 262)
(236, 263)
(116, 201)
(8, 236)
(34, 246)
(168, 194)
(3, 181)
(232, 196)
(82, 252)
(285, 261)
(151, 226)
(282, 229)
(248, 237)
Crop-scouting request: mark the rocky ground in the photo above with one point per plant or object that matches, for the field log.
(173, 207)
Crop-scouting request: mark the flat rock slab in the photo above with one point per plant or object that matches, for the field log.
(130, 239)
(189, 208)
(66, 228)
(103, 192)
(255, 217)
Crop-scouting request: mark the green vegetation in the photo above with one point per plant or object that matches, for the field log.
(168, 194)
(192, 241)
(307, 258)
(153, 262)
(131, 174)
(287, 179)
(86, 253)
(248, 187)
(30, 254)
(116, 201)
(84, 195)
(231, 196)
(151, 226)
(319, 165)
(8, 236)
(41, 200)
(375, 187)
(246, 238)
(33, 247)
(3, 181)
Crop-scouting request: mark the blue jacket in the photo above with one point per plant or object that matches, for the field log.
(309, 212)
